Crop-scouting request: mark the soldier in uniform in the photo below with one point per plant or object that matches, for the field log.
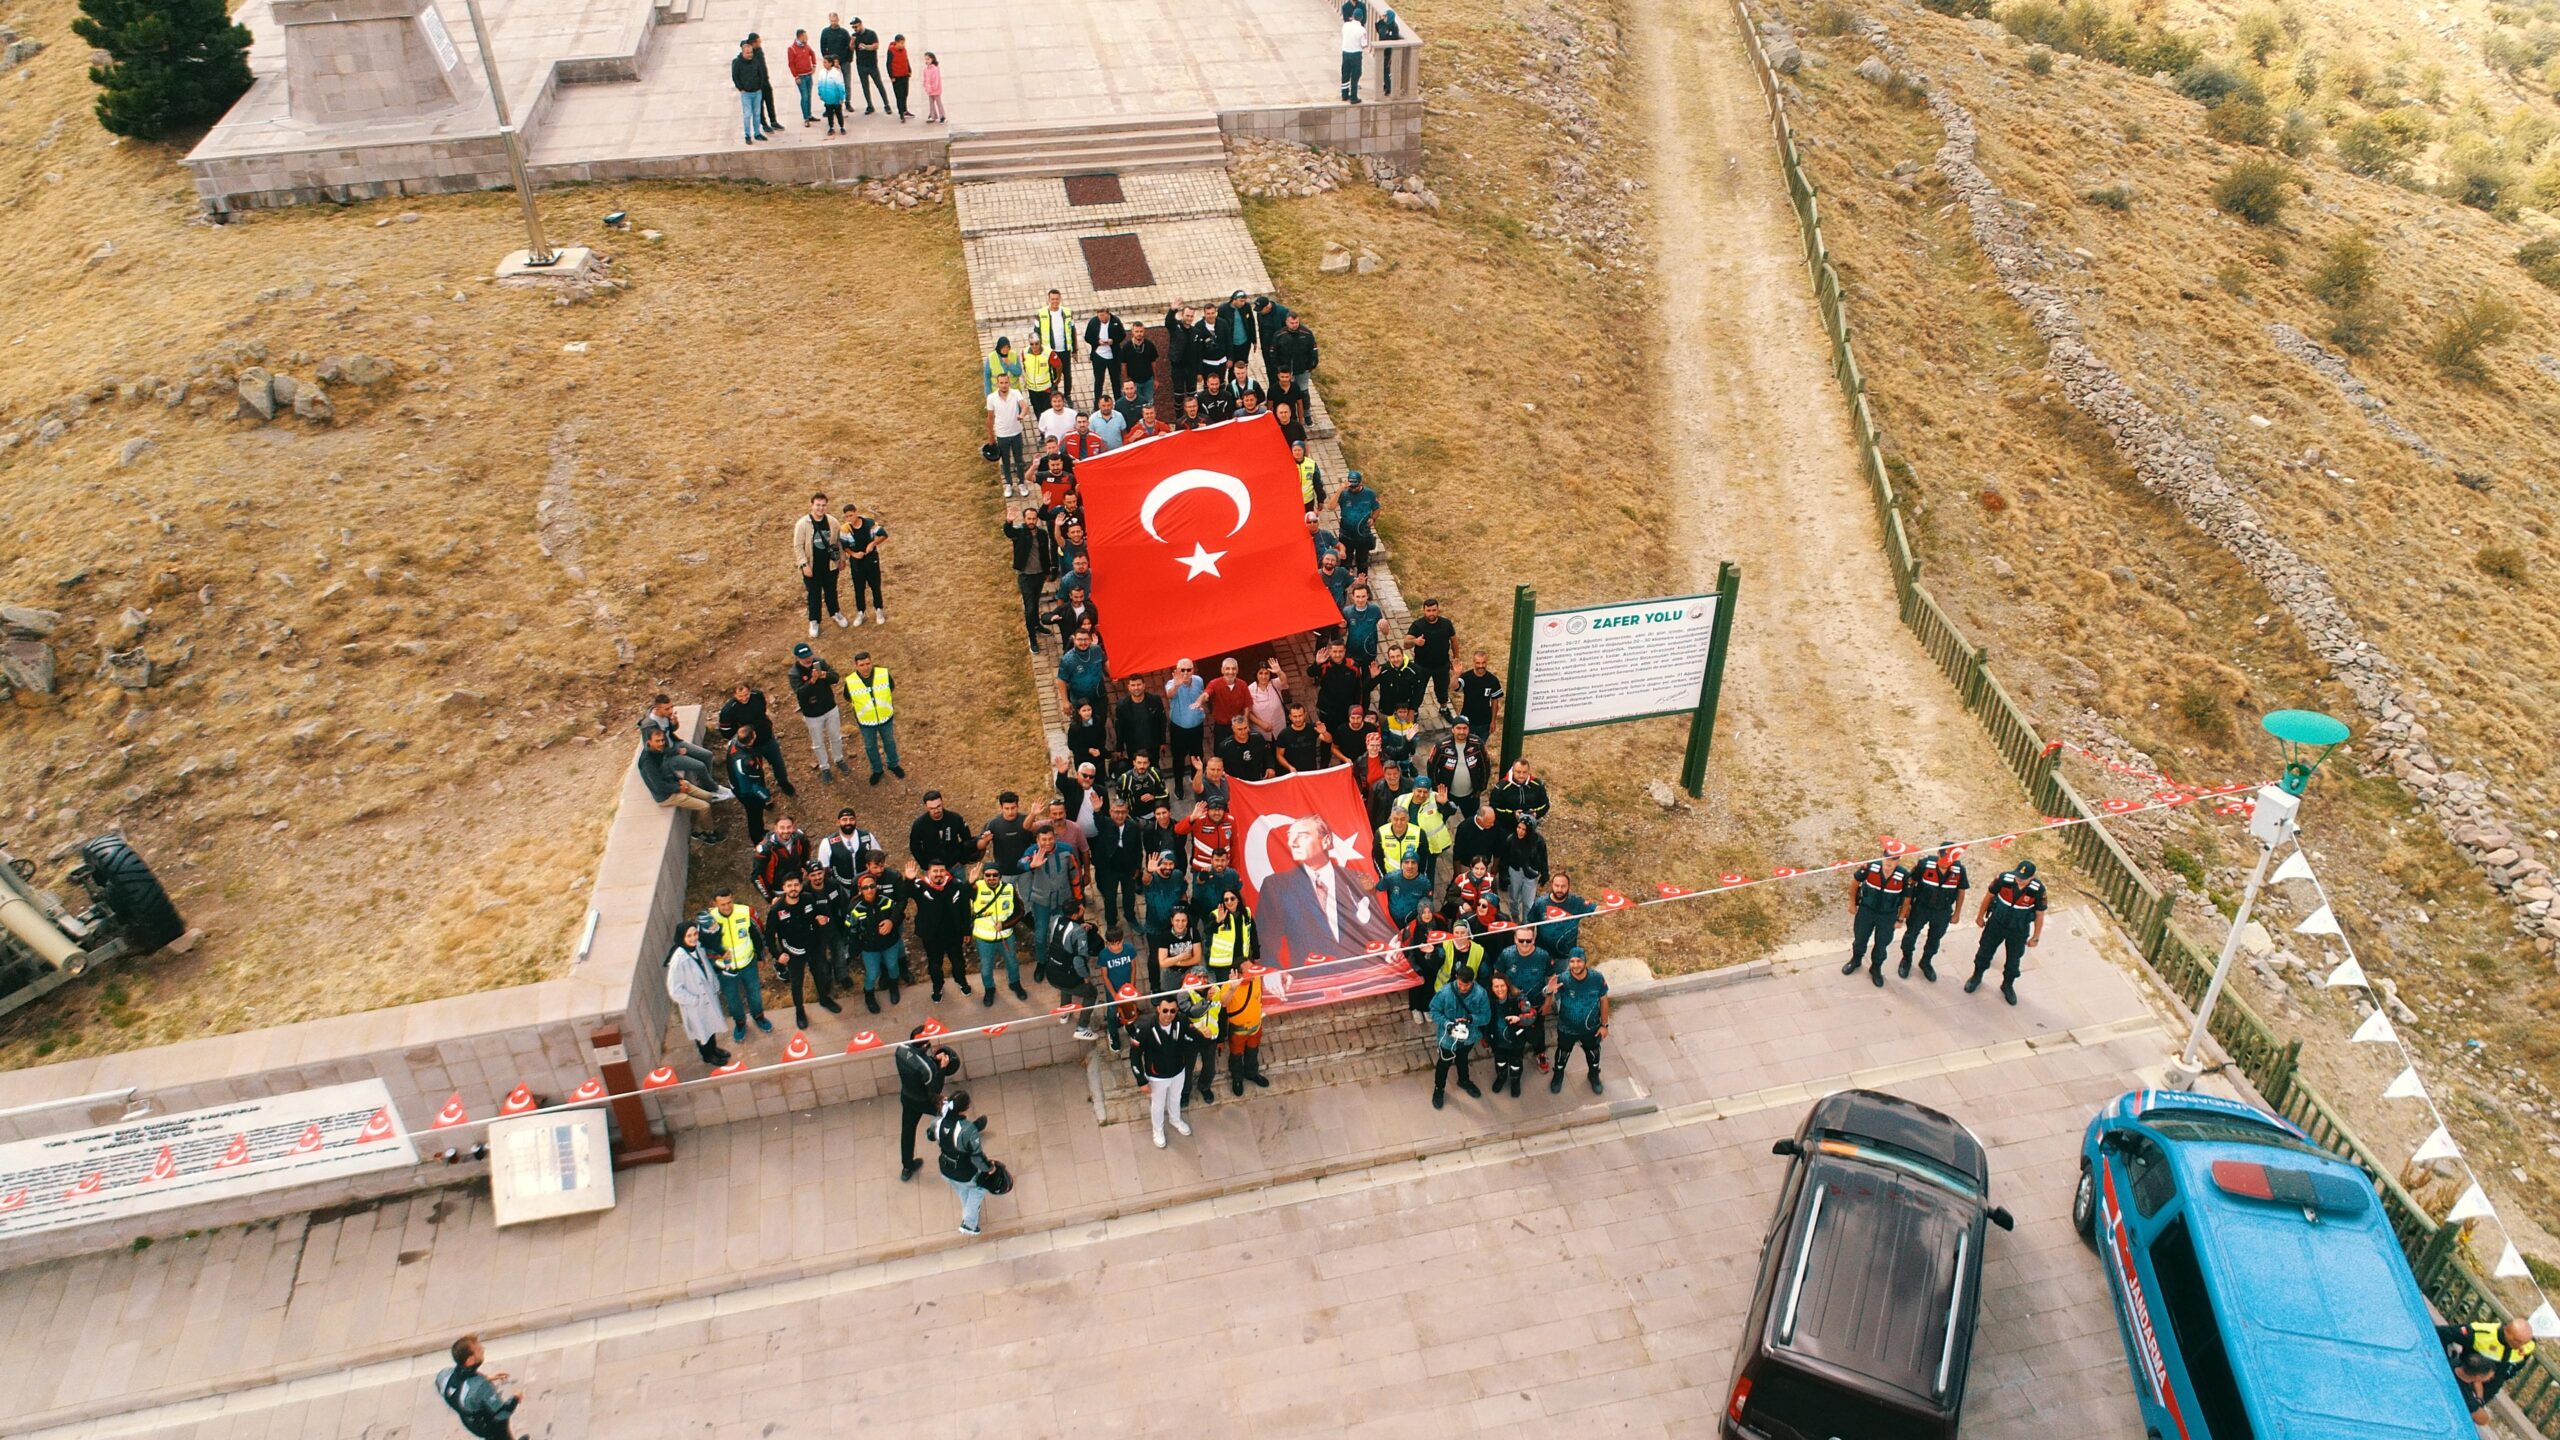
(1938, 884)
(2011, 914)
(1878, 895)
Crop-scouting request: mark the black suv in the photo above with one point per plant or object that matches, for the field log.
(1870, 1280)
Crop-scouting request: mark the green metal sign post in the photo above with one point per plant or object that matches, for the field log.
(1612, 649)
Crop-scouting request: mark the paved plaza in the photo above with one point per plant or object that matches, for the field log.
(1345, 1261)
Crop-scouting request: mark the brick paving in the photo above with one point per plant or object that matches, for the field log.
(1356, 1262)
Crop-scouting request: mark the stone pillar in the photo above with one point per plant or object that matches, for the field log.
(369, 59)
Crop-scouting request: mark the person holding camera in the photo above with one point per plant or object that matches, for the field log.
(1461, 1013)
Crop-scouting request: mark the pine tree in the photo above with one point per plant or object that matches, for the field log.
(173, 64)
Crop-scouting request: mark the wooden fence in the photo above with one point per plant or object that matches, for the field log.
(2269, 1062)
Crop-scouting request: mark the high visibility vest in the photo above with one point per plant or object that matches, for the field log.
(1035, 370)
(1425, 817)
(1393, 848)
(1066, 324)
(1307, 482)
(2489, 1345)
(1451, 961)
(872, 702)
(737, 938)
(1242, 1004)
(1228, 936)
(1202, 1014)
(991, 911)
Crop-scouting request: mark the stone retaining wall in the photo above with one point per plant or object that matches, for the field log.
(1387, 129)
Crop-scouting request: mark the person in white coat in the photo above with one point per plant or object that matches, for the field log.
(691, 985)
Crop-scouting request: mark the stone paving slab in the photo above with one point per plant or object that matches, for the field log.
(810, 1194)
(1200, 260)
(991, 206)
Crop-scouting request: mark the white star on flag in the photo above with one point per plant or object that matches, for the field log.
(1345, 850)
(1203, 561)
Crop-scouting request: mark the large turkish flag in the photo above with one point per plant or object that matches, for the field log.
(1200, 546)
(1310, 872)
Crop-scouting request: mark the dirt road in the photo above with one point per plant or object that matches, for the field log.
(1833, 710)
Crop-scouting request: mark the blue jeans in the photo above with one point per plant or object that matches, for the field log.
(881, 967)
(972, 1195)
(805, 82)
(751, 105)
(877, 738)
(741, 994)
(988, 951)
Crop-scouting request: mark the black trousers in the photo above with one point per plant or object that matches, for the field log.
(900, 83)
(820, 585)
(1360, 544)
(1935, 922)
(1448, 1058)
(866, 580)
(911, 1110)
(1436, 679)
(1034, 588)
(771, 121)
(1119, 897)
(937, 949)
(1506, 1070)
(870, 81)
(1199, 1090)
(1871, 926)
(1106, 377)
(1565, 1041)
(1994, 936)
(802, 968)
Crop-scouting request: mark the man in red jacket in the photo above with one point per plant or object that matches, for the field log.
(804, 71)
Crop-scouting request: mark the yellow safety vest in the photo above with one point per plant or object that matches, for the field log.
(1205, 1024)
(1055, 344)
(1451, 962)
(1307, 482)
(1425, 817)
(1242, 1004)
(991, 909)
(1393, 848)
(1227, 938)
(1035, 370)
(2486, 1343)
(872, 703)
(737, 938)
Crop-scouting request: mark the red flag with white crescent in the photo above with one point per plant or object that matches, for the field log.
(1308, 861)
(1200, 545)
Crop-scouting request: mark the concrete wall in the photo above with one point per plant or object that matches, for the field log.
(1388, 129)
(833, 164)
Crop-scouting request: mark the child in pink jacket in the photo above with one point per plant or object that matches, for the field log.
(933, 90)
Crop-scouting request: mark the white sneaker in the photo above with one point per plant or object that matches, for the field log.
(813, 629)
(1178, 1125)
(1087, 1035)
(840, 621)
(857, 618)
(1159, 1139)
(879, 616)
(724, 793)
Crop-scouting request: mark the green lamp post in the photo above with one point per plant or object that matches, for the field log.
(2309, 738)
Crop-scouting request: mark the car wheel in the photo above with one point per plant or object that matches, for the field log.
(143, 913)
(2084, 1206)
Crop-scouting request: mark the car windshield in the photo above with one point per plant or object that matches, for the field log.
(2227, 1131)
(1909, 1161)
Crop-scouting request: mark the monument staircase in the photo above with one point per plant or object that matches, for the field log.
(1117, 145)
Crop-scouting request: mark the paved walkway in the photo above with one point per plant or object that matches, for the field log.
(1353, 1258)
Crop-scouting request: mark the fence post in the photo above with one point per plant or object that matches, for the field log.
(2433, 1256)
(2279, 1087)
(1974, 677)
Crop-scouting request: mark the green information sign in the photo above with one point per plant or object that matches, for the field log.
(1635, 660)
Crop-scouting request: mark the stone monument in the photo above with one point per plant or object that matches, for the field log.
(369, 59)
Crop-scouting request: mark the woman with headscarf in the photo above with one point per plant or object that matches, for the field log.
(696, 993)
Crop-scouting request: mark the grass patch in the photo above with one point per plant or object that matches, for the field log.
(2183, 864)
(2460, 345)
(2503, 562)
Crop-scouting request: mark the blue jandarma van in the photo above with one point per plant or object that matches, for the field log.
(2258, 1287)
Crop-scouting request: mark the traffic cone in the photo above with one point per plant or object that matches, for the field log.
(732, 1068)
(866, 1040)
(453, 1114)
(590, 1088)
(933, 1027)
(659, 1079)
(518, 1101)
(798, 1049)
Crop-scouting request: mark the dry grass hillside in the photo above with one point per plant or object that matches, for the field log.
(2121, 626)
(405, 649)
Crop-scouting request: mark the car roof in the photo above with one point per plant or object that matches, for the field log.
(1876, 1276)
(1907, 1124)
(2323, 1314)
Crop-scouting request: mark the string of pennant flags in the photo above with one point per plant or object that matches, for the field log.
(2473, 1203)
(2229, 801)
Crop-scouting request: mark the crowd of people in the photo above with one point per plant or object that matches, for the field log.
(846, 63)
(1119, 888)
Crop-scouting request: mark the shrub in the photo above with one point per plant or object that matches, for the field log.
(2357, 328)
(172, 65)
(2374, 146)
(2261, 33)
(2204, 711)
(2541, 260)
(2458, 343)
(2117, 197)
(1961, 9)
(2241, 122)
(2210, 82)
(1903, 88)
(2298, 135)
(2255, 189)
(2478, 175)
(2502, 562)
(2344, 276)
(2040, 60)
(2183, 864)
(1833, 18)
(2236, 277)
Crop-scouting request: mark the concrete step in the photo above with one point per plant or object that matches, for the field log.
(1073, 147)
(697, 9)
